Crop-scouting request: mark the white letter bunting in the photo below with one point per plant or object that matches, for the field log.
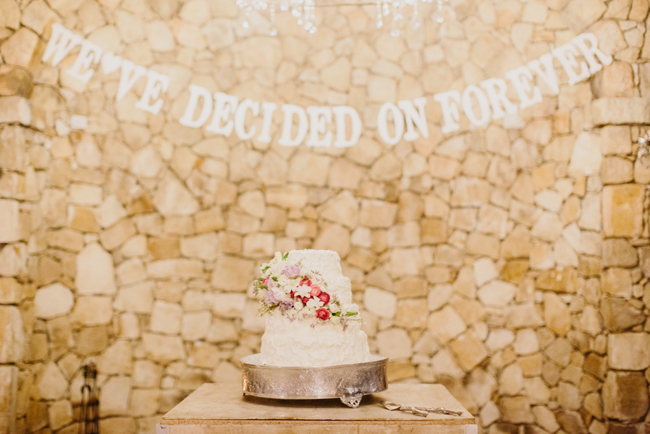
(338, 126)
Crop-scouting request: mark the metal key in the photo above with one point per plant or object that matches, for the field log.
(420, 411)
(405, 408)
(441, 410)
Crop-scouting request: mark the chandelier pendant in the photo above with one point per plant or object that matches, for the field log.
(304, 12)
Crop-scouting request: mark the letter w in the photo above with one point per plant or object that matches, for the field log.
(61, 42)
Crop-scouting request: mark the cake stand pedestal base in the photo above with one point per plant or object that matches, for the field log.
(223, 409)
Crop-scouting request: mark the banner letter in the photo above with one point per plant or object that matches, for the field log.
(60, 44)
(520, 79)
(290, 110)
(449, 102)
(89, 54)
(240, 118)
(340, 111)
(197, 92)
(382, 123)
(225, 105)
(419, 118)
(268, 108)
(319, 117)
(496, 89)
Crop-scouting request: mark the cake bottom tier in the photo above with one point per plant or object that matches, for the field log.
(297, 343)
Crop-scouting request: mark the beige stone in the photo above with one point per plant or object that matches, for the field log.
(52, 301)
(446, 324)
(20, 48)
(218, 33)
(516, 409)
(60, 414)
(95, 271)
(617, 281)
(309, 169)
(377, 214)
(166, 317)
(405, 262)
(394, 343)
(380, 302)
(629, 351)
(232, 274)
(51, 383)
(343, 209)
(619, 111)
(496, 293)
(469, 192)
(334, 237)
(222, 331)
(10, 226)
(511, 381)
(114, 396)
(469, 349)
(386, 168)
(616, 170)
(625, 395)
(556, 314)
(615, 140)
(442, 167)
(15, 109)
(195, 325)
(90, 311)
(344, 174)
(200, 247)
(162, 348)
(173, 198)
(622, 207)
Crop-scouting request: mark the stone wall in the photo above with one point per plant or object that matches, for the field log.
(508, 263)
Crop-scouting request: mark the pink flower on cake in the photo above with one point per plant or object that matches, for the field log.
(291, 270)
(323, 314)
(315, 291)
(324, 297)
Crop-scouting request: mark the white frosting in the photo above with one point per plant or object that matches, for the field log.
(309, 342)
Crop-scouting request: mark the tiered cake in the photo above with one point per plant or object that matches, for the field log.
(310, 318)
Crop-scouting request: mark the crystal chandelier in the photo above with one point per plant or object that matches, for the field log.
(388, 12)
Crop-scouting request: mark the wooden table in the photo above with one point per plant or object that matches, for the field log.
(222, 409)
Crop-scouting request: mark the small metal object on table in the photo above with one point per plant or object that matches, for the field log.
(221, 409)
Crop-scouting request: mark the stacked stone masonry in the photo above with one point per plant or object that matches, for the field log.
(509, 263)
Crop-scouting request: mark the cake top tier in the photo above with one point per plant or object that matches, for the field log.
(328, 264)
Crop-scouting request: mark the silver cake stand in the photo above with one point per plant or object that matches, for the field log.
(346, 382)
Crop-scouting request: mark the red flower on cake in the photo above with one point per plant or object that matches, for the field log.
(324, 297)
(305, 281)
(265, 281)
(323, 314)
(304, 300)
(315, 291)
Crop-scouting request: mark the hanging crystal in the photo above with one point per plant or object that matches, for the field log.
(274, 26)
(380, 18)
(398, 18)
(415, 18)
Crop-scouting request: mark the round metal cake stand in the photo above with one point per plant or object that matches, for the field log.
(346, 382)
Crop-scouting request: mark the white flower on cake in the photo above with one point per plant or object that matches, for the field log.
(298, 292)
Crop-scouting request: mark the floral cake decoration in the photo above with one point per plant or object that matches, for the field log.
(298, 292)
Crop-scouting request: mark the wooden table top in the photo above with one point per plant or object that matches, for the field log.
(215, 404)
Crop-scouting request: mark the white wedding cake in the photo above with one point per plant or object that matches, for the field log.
(310, 318)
